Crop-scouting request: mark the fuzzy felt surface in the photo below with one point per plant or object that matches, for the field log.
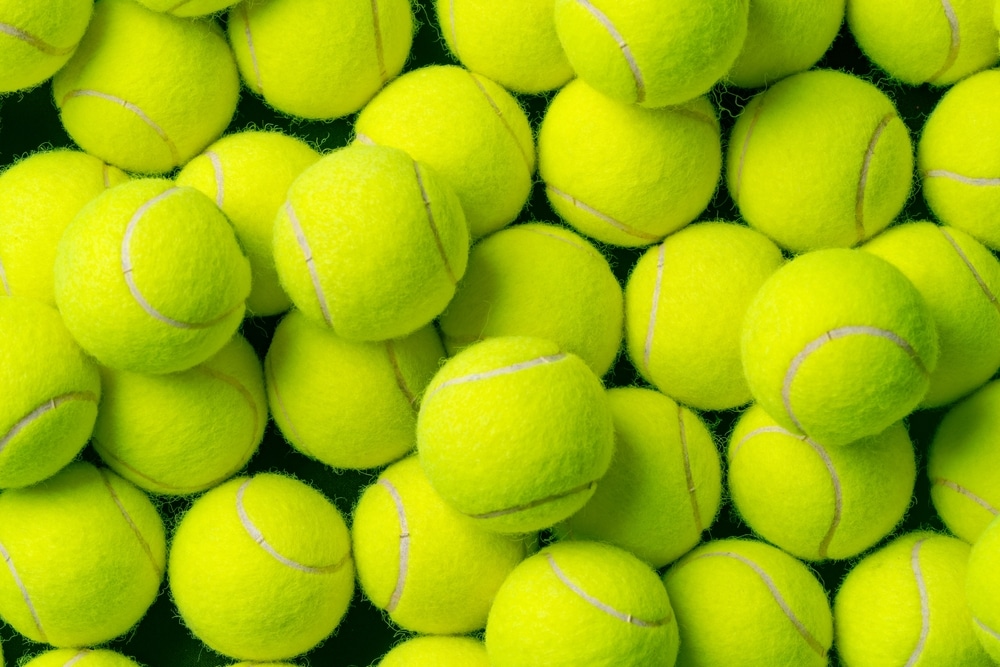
(188, 8)
(38, 37)
(434, 651)
(80, 657)
(982, 590)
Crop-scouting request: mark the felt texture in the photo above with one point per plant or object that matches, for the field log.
(184, 432)
(905, 605)
(465, 127)
(958, 158)
(664, 486)
(346, 403)
(982, 590)
(88, 550)
(188, 8)
(925, 41)
(582, 603)
(515, 432)
(684, 307)
(623, 174)
(839, 345)
(821, 159)
(46, 34)
(146, 91)
(247, 175)
(266, 598)
(80, 657)
(320, 59)
(51, 390)
(963, 464)
(184, 296)
(513, 43)
(959, 280)
(437, 652)
(538, 280)
(745, 602)
(818, 502)
(39, 196)
(431, 568)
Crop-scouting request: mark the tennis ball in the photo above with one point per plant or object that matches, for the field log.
(260, 568)
(538, 280)
(649, 52)
(819, 502)
(963, 464)
(925, 41)
(516, 433)
(183, 432)
(838, 345)
(684, 307)
(982, 588)
(465, 127)
(665, 164)
(581, 603)
(188, 7)
(146, 91)
(431, 568)
(437, 652)
(37, 38)
(361, 416)
(39, 196)
(785, 37)
(150, 278)
(959, 280)
(371, 243)
(351, 49)
(50, 389)
(820, 159)
(905, 604)
(746, 602)
(664, 485)
(80, 657)
(513, 43)
(248, 175)
(957, 158)
(84, 554)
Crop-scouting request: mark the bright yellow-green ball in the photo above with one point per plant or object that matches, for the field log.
(189, 8)
(80, 657)
(436, 651)
(38, 37)
(982, 589)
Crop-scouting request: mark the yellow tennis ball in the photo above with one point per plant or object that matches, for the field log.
(745, 602)
(38, 198)
(818, 502)
(188, 7)
(434, 651)
(905, 605)
(84, 553)
(515, 433)
(666, 164)
(361, 416)
(684, 307)
(146, 91)
(982, 590)
(371, 243)
(538, 280)
(80, 657)
(465, 127)
(925, 41)
(820, 159)
(838, 345)
(247, 174)
(431, 568)
(183, 432)
(320, 59)
(38, 38)
(785, 37)
(513, 43)
(664, 485)
(51, 390)
(959, 280)
(957, 158)
(649, 52)
(260, 568)
(963, 464)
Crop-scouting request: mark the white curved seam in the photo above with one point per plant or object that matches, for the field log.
(404, 545)
(655, 307)
(42, 409)
(24, 591)
(925, 610)
(252, 49)
(300, 238)
(955, 44)
(129, 106)
(36, 42)
(604, 217)
(603, 606)
(958, 488)
(220, 178)
(78, 657)
(967, 180)
(503, 370)
(640, 84)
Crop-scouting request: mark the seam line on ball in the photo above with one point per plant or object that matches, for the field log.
(36, 42)
(654, 308)
(966, 180)
(925, 611)
(379, 47)
(972, 269)
(78, 657)
(956, 41)
(157, 569)
(24, 592)
(106, 174)
(432, 224)
(220, 177)
(604, 217)
(300, 238)
(255, 413)
(252, 50)
(587, 251)
(404, 546)
(390, 349)
(535, 503)
(745, 148)
(603, 606)
(958, 488)
(688, 475)
(988, 630)
(609, 26)
(859, 201)
(139, 113)
(528, 162)
(503, 370)
(46, 407)
(454, 28)
(3, 280)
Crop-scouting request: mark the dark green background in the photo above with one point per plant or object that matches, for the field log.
(29, 122)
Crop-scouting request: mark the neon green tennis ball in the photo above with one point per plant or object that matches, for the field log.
(80, 657)
(188, 7)
(982, 589)
(434, 651)
(582, 603)
(149, 277)
(838, 345)
(38, 38)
